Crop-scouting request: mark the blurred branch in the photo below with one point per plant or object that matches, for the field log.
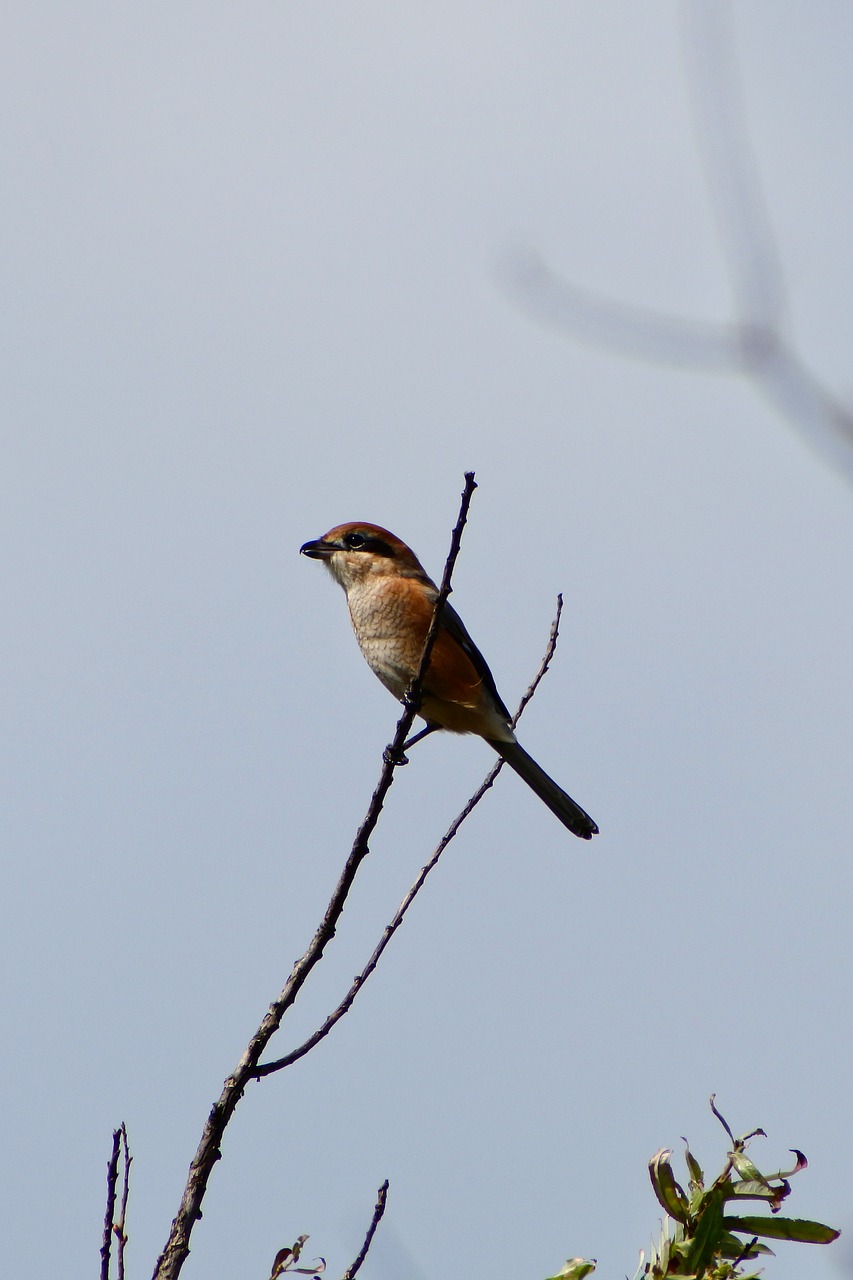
(729, 162)
(378, 1210)
(755, 343)
(175, 1253)
(268, 1068)
(615, 326)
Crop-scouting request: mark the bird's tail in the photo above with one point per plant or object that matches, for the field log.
(562, 805)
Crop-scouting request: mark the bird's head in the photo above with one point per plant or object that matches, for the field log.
(354, 552)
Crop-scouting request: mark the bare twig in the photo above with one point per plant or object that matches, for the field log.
(112, 1183)
(547, 657)
(268, 1068)
(174, 1255)
(413, 693)
(755, 343)
(745, 1253)
(120, 1226)
(378, 1210)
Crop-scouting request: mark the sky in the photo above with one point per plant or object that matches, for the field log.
(252, 288)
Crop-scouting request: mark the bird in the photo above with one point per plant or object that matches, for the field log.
(391, 601)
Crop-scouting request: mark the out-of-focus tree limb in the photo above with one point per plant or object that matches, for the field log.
(755, 343)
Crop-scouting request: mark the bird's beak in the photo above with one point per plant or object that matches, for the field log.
(318, 549)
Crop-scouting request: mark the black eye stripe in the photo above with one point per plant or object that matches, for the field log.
(362, 542)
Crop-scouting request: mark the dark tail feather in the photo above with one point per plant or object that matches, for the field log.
(563, 806)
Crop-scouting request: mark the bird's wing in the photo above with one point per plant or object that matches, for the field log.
(456, 660)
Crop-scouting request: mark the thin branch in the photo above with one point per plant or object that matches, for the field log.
(412, 697)
(379, 1209)
(755, 343)
(175, 1253)
(121, 1224)
(745, 1253)
(112, 1183)
(268, 1068)
(547, 658)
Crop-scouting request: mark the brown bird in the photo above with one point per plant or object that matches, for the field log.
(391, 601)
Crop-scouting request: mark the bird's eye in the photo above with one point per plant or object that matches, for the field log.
(354, 541)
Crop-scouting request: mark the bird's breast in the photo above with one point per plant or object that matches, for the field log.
(390, 624)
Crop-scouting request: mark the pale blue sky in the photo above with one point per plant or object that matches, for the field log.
(250, 289)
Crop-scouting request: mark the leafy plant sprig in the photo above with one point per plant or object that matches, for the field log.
(700, 1236)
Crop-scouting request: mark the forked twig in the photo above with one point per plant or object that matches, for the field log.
(268, 1068)
(174, 1255)
(115, 1226)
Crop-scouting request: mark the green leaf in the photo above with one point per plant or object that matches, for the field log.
(784, 1229)
(697, 1178)
(642, 1269)
(747, 1169)
(731, 1247)
(670, 1195)
(575, 1269)
(752, 1191)
(664, 1254)
(709, 1230)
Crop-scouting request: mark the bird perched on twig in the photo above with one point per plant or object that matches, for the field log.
(391, 600)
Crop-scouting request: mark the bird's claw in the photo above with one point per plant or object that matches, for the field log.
(390, 756)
